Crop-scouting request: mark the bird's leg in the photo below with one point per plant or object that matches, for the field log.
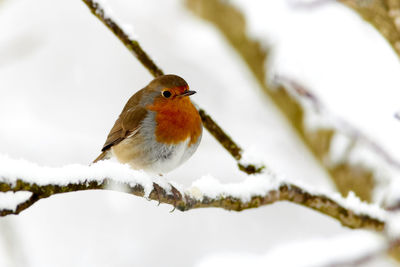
(159, 191)
(177, 196)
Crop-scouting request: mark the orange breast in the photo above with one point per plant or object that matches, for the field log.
(177, 119)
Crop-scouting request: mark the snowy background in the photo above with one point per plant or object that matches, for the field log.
(64, 79)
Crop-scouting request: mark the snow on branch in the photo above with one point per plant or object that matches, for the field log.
(104, 14)
(255, 191)
(384, 15)
(350, 146)
(350, 166)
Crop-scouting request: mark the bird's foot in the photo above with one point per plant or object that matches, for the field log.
(177, 196)
(159, 192)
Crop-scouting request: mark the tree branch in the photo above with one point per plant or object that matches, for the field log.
(20, 207)
(384, 15)
(361, 179)
(225, 197)
(133, 45)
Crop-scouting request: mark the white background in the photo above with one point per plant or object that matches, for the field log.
(64, 78)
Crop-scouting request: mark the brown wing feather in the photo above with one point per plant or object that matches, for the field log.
(128, 120)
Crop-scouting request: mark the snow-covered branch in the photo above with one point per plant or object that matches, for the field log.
(105, 16)
(350, 169)
(255, 191)
(384, 15)
(349, 152)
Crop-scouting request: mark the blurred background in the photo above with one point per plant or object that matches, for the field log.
(64, 78)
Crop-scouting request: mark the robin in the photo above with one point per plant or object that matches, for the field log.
(158, 129)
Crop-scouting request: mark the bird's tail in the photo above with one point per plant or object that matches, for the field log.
(103, 155)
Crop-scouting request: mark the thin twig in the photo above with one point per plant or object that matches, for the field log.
(132, 45)
(227, 142)
(148, 63)
(22, 206)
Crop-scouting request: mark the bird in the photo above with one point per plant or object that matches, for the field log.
(158, 129)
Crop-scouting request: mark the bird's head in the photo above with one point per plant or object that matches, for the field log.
(169, 88)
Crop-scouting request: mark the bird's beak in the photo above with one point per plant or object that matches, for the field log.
(188, 93)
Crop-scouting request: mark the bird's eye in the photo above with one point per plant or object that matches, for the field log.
(166, 94)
